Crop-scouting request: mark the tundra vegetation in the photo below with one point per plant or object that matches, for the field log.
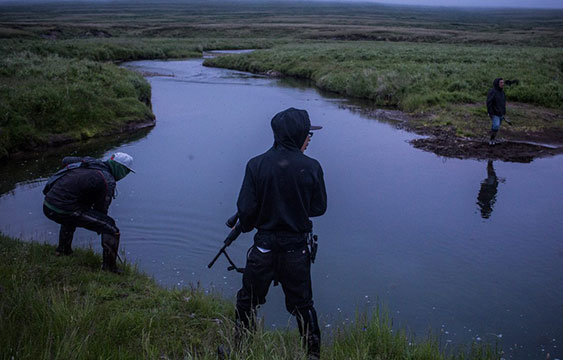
(434, 63)
(67, 308)
(60, 81)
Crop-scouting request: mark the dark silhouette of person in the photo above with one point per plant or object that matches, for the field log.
(488, 192)
(281, 190)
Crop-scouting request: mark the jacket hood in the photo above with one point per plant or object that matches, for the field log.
(495, 84)
(290, 128)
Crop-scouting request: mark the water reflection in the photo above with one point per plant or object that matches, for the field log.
(379, 223)
(488, 192)
(32, 168)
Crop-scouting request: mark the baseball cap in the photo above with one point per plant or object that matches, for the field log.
(123, 159)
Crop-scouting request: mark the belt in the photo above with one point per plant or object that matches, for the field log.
(280, 241)
(283, 234)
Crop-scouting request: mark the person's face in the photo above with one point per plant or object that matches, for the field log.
(501, 84)
(307, 141)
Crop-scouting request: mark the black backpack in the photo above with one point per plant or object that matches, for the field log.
(59, 174)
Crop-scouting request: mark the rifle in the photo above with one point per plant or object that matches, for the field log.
(233, 223)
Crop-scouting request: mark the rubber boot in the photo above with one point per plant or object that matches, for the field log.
(110, 244)
(310, 333)
(65, 240)
(245, 322)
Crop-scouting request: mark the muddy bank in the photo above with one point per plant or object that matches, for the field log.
(460, 148)
(57, 142)
(512, 145)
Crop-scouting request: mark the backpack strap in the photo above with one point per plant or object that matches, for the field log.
(59, 174)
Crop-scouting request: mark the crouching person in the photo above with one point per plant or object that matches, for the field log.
(79, 195)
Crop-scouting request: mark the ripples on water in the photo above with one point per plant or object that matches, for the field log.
(403, 227)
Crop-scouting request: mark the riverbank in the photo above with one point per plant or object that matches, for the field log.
(434, 64)
(519, 142)
(440, 88)
(47, 101)
(66, 307)
(56, 92)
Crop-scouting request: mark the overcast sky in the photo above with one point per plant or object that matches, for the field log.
(544, 4)
(550, 4)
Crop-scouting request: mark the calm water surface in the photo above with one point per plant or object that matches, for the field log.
(472, 250)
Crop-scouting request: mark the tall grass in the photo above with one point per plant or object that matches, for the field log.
(67, 308)
(45, 99)
(343, 48)
(290, 20)
(414, 76)
(129, 49)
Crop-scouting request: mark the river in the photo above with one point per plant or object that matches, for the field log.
(470, 249)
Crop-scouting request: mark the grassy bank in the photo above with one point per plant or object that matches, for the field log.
(46, 100)
(437, 63)
(54, 92)
(128, 49)
(65, 307)
(440, 78)
(292, 21)
(414, 76)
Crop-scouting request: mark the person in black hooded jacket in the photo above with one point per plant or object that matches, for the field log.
(281, 190)
(80, 195)
(496, 107)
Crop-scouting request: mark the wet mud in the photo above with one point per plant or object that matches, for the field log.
(511, 146)
(462, 148)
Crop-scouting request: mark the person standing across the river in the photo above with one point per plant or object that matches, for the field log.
(79, 195)
(496, 107)
(281, 190)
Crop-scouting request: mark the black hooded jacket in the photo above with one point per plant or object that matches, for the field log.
(87, 187)
(282, 188)
(496, 100)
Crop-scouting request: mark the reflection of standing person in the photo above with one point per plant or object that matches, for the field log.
(496, 107)
(281, 190)
(488, 192)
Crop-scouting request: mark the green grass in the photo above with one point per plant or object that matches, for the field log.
(128, 49)
(288, 20)
(419, 59)
(67, 308)
(43, 98)
(446, 82)
(414, 76)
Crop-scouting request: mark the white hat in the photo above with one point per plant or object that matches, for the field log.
(123, 159)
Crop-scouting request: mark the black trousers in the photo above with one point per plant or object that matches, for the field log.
(288, 262)
(89, 219)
